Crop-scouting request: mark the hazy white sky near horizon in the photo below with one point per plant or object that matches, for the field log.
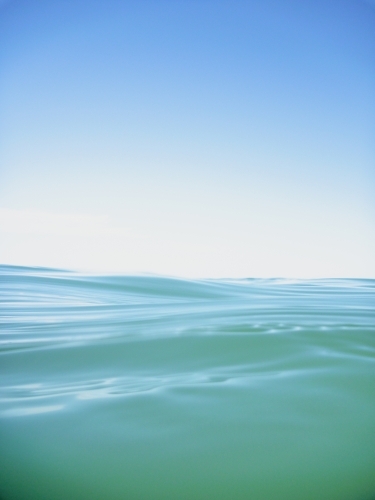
(190, 138)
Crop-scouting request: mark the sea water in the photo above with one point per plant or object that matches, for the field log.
(151, 388)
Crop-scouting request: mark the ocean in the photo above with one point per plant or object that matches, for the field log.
(157, 388)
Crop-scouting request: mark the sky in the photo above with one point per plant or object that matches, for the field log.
(192, 138)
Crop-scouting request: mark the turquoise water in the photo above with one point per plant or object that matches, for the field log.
(155, 388)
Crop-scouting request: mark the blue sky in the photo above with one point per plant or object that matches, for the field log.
(194, 138)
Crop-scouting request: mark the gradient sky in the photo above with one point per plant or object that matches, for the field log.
(198, 138)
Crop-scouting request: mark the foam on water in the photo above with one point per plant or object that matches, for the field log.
(135, 387)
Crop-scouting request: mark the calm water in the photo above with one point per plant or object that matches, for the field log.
(147, 388)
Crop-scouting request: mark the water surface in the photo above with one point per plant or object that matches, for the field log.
(149, 388)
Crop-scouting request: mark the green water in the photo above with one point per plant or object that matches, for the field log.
(152, 388)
